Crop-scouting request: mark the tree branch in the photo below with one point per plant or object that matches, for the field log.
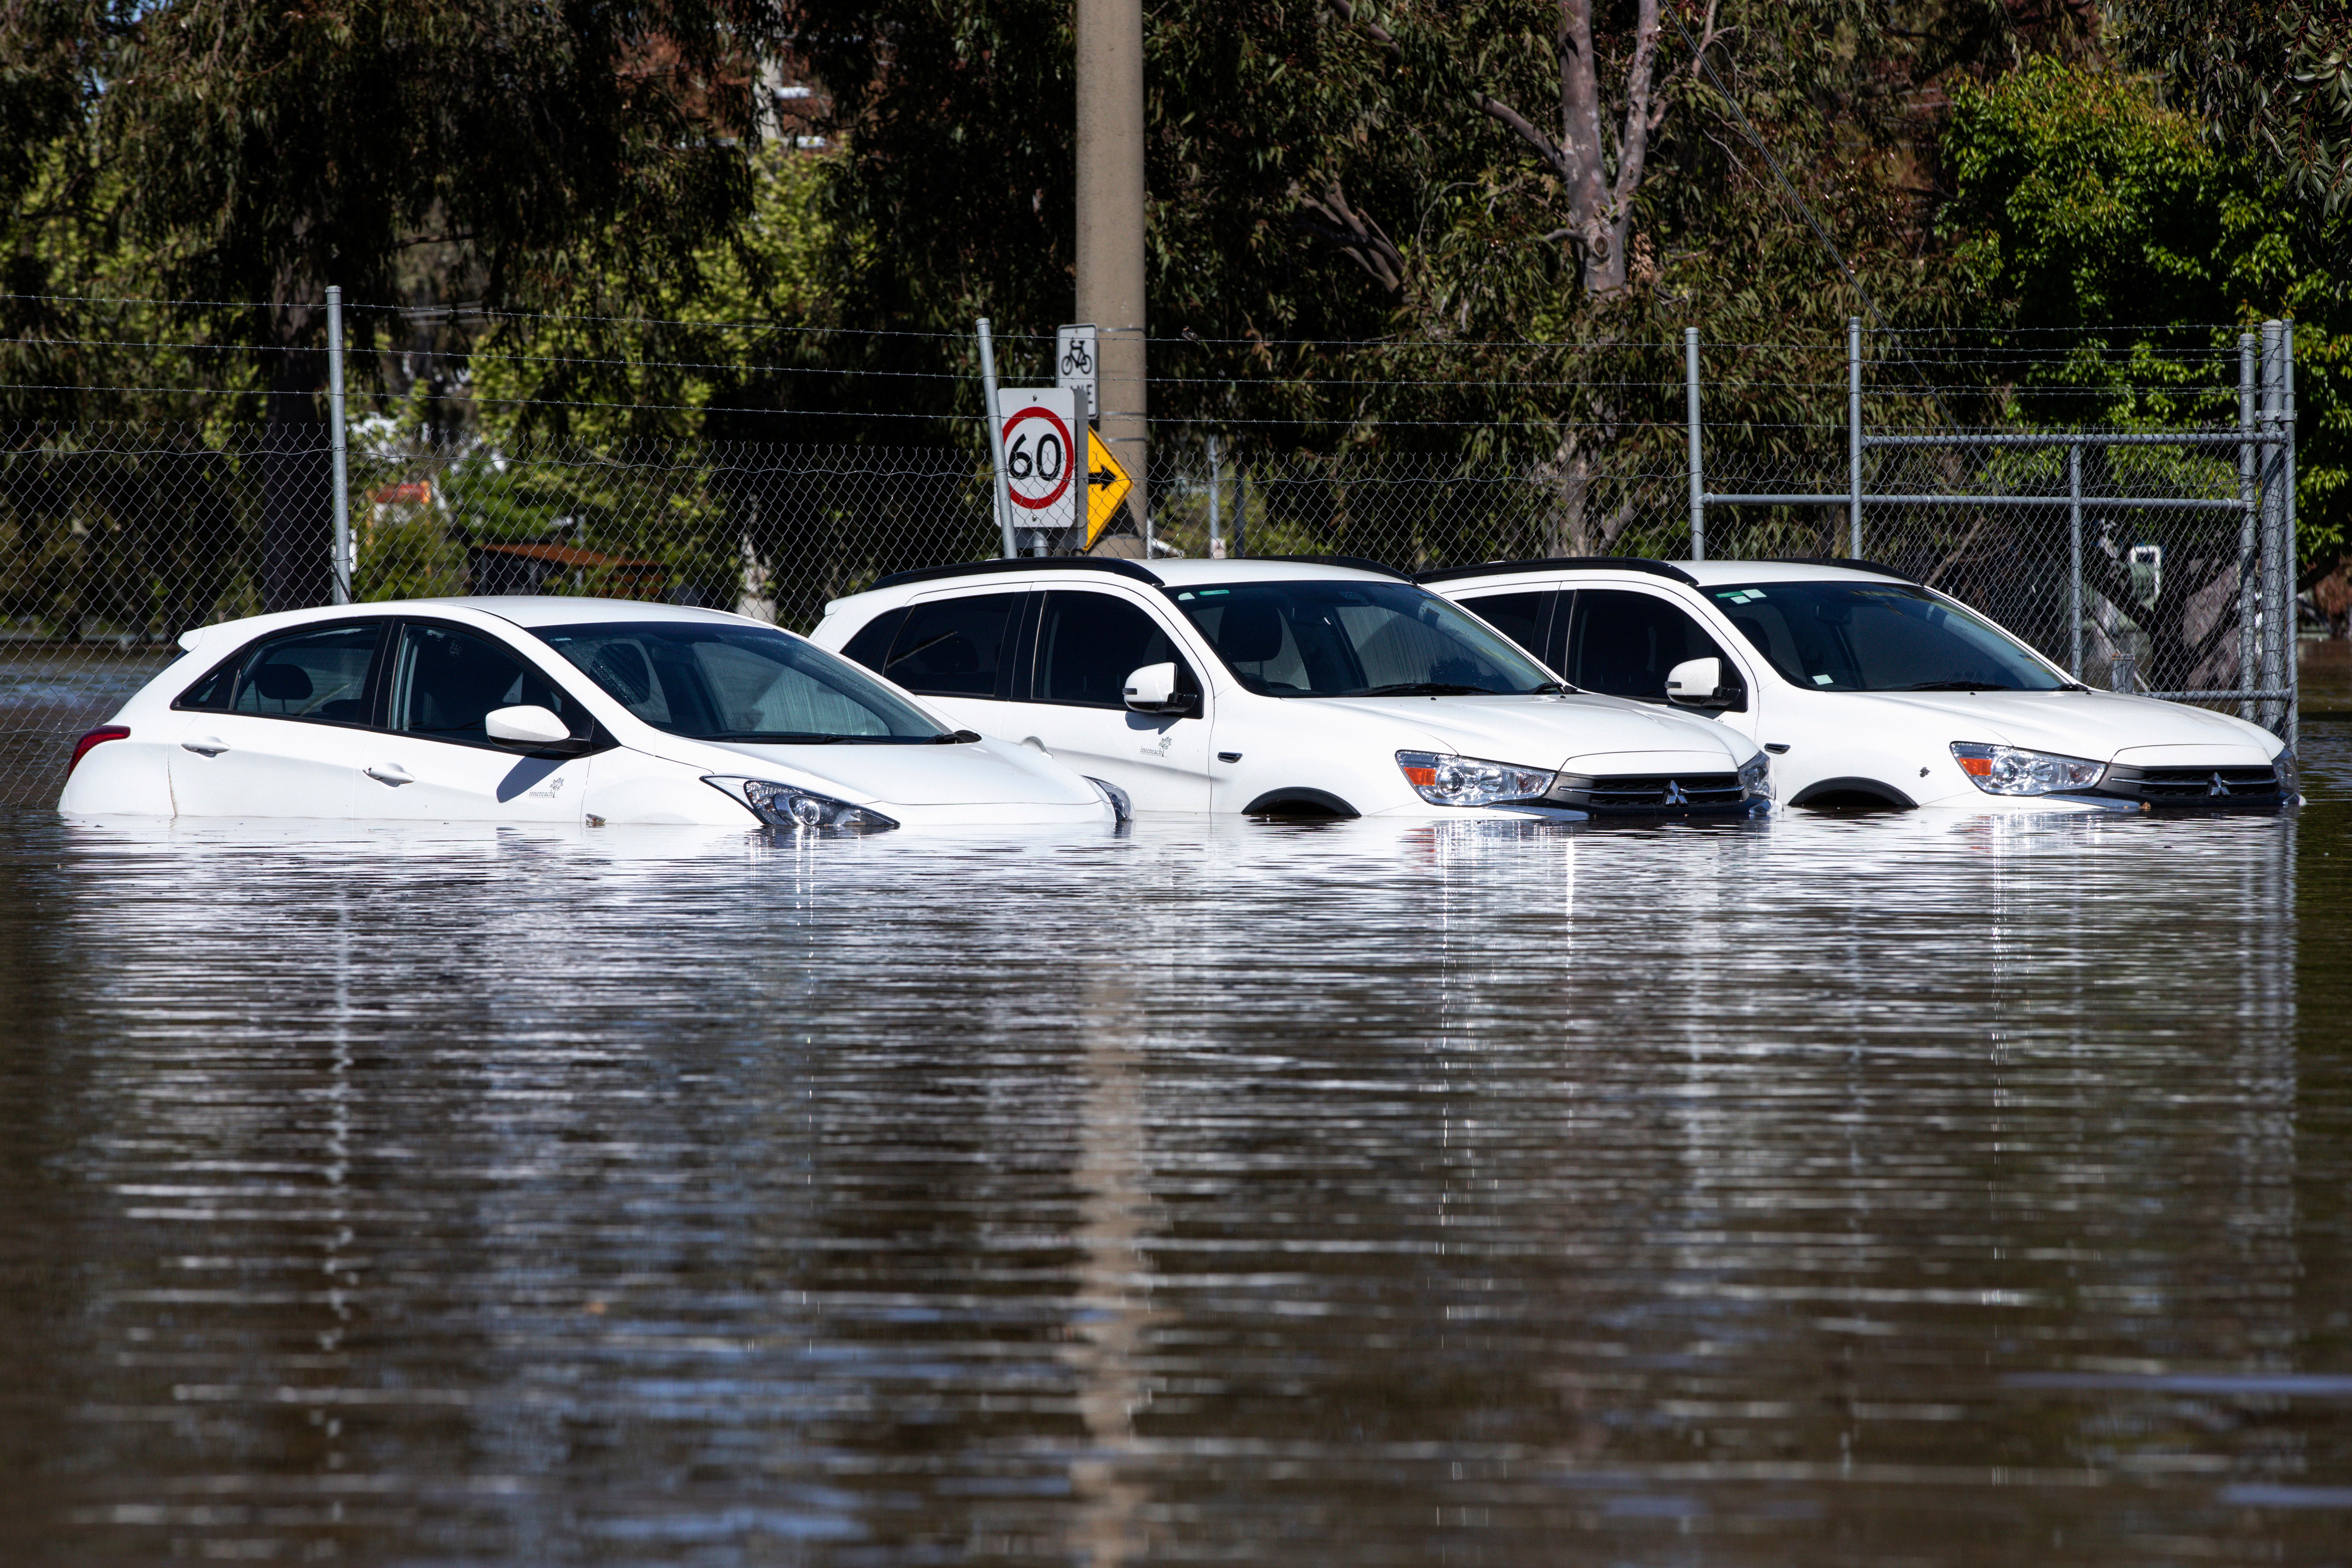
(1355, 234)
(1633, 146)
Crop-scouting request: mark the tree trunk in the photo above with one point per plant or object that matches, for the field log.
(297, 486)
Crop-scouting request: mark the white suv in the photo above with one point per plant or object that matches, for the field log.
(1868, 689)
(1280, 687)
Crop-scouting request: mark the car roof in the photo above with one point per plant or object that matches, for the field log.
(528, 610)
(1699, 573)
(1095, 570)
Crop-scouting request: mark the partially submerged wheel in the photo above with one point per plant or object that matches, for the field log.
(1298, 804)
(1853, 794)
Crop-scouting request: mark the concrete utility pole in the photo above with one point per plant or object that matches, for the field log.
(1110, 227)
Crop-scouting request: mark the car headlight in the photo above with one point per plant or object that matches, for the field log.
(2005, 770)
(1122, 809)
(1469, 781)
(2290, 776)
(1755, 777)
(801, 810)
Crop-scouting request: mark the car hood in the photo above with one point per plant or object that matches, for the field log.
(989, 773)
(1542, 731)
(2092, 724)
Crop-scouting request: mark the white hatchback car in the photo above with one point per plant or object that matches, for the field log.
(549, 710)
(1280, 687)
(1868, 689)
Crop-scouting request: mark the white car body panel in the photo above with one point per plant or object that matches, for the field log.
(268, 767)
(1342, 747)
(276, 767)
(1904, 740)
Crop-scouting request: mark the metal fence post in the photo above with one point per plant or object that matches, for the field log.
(2290, 554)
(2074, 552)
(1697, 480)
(340, 586)
(2273, 648)
(995, 442)
(2248, 499)
(1216, 515)
(1854, 435)
(1241, 509)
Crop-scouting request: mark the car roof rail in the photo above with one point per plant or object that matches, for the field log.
(1850, 563)
(1615, 563)
(1354, 563)
(1115, 565)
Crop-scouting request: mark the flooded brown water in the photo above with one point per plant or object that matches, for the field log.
(1873, 1190)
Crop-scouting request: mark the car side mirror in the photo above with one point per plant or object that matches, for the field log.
(1698, 683)
(1152, 689)
(528, 725)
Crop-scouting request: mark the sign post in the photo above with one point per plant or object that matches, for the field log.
(995, 440)
(1037, 432)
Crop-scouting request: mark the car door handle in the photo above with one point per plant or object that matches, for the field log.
(210, 746)
(390, 774)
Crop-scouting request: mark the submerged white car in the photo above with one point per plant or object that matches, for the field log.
(1868, 689)
(1280, 688)
(519, 709)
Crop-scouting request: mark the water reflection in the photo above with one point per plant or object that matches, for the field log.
(1823, 1190)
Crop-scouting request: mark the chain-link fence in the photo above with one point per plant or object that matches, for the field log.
(114, 539)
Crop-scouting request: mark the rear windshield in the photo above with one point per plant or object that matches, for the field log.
(716, 682)
(1879, 636)
(1338, 638)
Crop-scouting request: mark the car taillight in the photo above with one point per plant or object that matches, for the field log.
(97, 737)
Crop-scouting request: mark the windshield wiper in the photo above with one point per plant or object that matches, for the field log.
(781, 737)
(1420, 689)
(954, 738)
(1957, 685)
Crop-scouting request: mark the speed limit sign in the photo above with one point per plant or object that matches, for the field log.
(1044, 458)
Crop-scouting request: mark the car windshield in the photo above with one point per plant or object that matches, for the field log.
(1341, 638)
(1879, 636)
(711, 681)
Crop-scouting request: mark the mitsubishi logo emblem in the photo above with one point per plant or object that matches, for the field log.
(1674, 795)
(2216, 786)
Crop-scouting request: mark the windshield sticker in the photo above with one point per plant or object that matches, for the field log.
(1821, 680)
(1741, 596)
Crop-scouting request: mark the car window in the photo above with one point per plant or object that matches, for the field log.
(1088, 644)
(1518, 616)
(1878, 636)
(1623, 643)
(719, 681)
(321, 674)
(445, 680)
(871, 646)
(1338, 637)
(954, 648)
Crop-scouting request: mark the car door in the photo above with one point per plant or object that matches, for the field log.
(432, 759)
(1623, 641)
(958, 650)
(276, 730)
(1087, 643)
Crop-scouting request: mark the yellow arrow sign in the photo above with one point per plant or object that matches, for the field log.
(1106, 487)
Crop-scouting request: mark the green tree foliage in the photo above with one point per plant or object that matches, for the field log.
(2272, 81)
(243, 151)
(2083, 204)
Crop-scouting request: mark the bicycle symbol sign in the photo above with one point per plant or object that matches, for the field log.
(1041, 455)
(1075, 365)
